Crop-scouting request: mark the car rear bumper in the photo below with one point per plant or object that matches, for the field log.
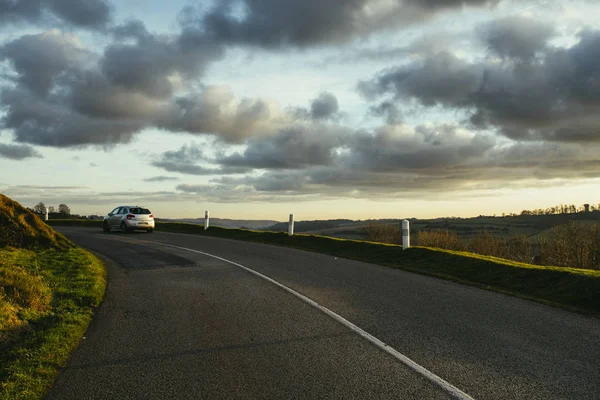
(140, 224)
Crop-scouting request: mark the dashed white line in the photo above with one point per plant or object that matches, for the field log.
(448, 387)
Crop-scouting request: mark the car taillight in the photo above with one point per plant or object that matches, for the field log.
(151, 216)
(130, 216)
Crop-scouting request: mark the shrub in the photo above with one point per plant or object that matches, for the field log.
(575, 245)
(383, 233)
(441, 239)
(487, 244)
(572, 245)
(519, 248)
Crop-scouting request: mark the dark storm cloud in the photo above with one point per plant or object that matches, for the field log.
(215, 110)
(83, 13)
(39, 58)
(195, 188)
(429, 157)
(491, 170)
(188, 154)
(555, 97)
(429, 147)
(429, 44)
(37, 187)
(184, 168)
(444, 4)
(388, 110)
(331, 182)
(325, 106)
(20, 10)
(147, 64)
(439, 79)
(390, 150)
(90, 93)
(43, 122)
(18, 152)
(273, 23)
(281, 181)
(161, 179)
(517, 37)
(399, 161)
(56, 102)
(188, 160)
(63, 96)
(294, 147)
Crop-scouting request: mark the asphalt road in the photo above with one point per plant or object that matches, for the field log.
(176, 324)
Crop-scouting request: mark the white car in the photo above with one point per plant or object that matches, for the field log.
(129, 218)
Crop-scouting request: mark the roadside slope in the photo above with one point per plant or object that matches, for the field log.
(49, 288)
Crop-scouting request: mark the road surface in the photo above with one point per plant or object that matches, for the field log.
(178, 324)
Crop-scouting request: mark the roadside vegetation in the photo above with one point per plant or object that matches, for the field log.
(49, 289)
(575, 244)
(569, 288)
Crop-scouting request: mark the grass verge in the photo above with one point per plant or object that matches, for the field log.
(47, 298)
(568, 288)
(48, 290)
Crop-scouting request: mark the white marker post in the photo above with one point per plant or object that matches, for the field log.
(206, 220)
(291, 225)
(46, 217)
(405, 234)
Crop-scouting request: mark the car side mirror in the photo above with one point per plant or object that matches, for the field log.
(110, 214)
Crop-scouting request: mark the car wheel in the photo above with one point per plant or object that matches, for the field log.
(124, 227)
(150, 230)
(105, 227)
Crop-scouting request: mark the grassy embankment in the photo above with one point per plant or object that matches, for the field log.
(568, 288)
(48, 290)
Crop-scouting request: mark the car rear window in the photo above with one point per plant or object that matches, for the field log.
(140, 211)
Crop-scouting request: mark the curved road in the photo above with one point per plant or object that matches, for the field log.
(178, 324)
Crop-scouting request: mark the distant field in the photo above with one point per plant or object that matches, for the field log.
(356, 232)
(467, 228)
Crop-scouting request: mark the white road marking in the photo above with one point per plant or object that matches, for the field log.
(448, 387)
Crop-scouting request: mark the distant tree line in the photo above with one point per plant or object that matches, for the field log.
(63, 209)
(560, 209)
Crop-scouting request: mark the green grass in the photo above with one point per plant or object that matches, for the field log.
(49, 289)
(568, 288)
(38, 340)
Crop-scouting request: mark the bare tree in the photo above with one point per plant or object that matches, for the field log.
(40, 208)
(51, 209)
(64, 209)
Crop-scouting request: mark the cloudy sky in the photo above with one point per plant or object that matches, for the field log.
(327, 109)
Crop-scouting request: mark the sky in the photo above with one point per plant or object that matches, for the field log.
(255, 109)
